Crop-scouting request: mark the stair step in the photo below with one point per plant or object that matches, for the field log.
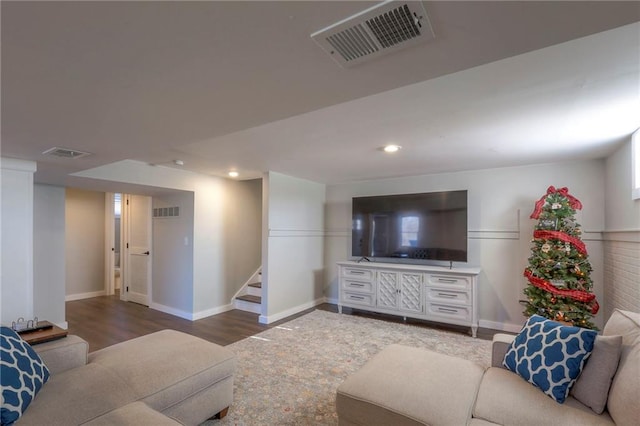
(255, 285)
(250, 298)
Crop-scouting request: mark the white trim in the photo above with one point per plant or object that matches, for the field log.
(331, 300)
(64, 325)
(635, 165)
(188, 315)
(211, 312)
(262, 319)
(629, 235)
(18, 165)
(243, 305)
(297, 233)
(109, 243)
(171, 311)
(80, 296)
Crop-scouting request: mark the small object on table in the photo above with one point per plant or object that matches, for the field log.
(43, 332)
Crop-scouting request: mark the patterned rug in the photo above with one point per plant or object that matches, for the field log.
(288, 375)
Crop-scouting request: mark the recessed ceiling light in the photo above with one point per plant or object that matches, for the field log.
(391, 148)
(178, 162)
(233, 173)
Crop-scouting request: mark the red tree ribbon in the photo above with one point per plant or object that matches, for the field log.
(559, 235)
(573, 201)
(580, 296)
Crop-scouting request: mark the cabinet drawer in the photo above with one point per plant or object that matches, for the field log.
(357, 299)
(448, 281)
(357, 286)
(358, 273)
(459, 313)
(441, 295)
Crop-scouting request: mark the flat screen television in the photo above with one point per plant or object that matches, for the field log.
(411, 228)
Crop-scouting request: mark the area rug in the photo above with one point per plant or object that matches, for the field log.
(288, 375)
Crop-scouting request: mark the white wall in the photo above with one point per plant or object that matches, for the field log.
(622, 212)
(84, 243)
(16, 285)
(500, 231)
(293, 236)
(49, 253)
(622, 234)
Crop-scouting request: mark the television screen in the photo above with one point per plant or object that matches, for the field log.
(411, 227)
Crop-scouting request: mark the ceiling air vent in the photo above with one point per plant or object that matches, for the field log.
(66, 153)
(377, 31)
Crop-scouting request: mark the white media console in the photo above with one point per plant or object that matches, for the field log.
(430, 293)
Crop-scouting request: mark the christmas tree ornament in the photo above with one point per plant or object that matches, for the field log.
(559, 269)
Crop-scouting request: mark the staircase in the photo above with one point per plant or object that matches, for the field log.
(249, 298)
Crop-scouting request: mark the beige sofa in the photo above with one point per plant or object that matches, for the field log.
(164, 378)
(411, 386)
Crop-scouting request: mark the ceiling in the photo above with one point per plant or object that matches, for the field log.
(241, 85)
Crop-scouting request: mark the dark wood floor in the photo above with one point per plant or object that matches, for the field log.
(104, 321)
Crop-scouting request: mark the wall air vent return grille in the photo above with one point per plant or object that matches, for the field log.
(161, 212)
(377, 31)
(66, 153)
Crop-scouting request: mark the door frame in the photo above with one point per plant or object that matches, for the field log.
(125, 269)
(109, 243)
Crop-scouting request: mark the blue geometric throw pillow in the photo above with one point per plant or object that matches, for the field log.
(550, 355)
(22, 374)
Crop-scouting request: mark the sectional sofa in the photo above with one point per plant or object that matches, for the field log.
(410, 386)
(164, 378)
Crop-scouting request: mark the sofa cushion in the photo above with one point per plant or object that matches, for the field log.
(167, 367)
(592, 387)
(504, 398)
(624, 393)
(133, 414)
(550, 355)
(77, 396)
(22, 374)
(402, 385)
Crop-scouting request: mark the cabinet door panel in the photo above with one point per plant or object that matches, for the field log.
(387, 289)
(411, 292)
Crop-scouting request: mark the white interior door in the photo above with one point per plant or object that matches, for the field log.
(137, 274)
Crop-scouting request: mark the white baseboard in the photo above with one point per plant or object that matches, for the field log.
(191, 316)
(511, 328)
(262, 319)
(212, 311)
(171, 311)
(80, 296)
(331, 300)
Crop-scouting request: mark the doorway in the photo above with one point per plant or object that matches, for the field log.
(129, 238)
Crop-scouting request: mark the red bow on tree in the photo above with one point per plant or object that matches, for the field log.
(573, 201)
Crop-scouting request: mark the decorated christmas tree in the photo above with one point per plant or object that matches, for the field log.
(559, 272)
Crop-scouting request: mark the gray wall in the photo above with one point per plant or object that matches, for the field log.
(49, 253)
(84, 243)
(243, 233)
(172, 254)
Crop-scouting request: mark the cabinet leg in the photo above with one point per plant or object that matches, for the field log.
(339, 309)
(474, 330)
